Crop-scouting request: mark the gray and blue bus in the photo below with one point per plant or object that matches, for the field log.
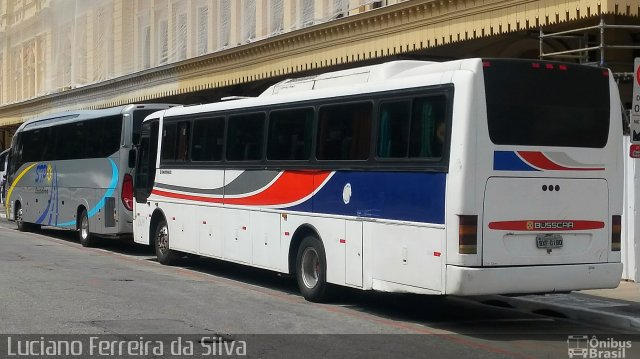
(74, 170)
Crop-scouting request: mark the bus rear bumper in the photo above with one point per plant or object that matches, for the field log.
(531, 279)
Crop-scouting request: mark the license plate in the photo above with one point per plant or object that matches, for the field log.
(548, 241)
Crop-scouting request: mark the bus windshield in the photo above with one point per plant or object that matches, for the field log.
(546, 104)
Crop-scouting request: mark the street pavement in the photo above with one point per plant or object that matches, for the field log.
(49, 284)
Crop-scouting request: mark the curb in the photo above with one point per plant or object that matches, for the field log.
(579, 307)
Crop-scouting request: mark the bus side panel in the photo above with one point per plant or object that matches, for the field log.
(211, 231)
(404, 254)
(183, 233)
(265, 239)
(237, 238)
(52, 192)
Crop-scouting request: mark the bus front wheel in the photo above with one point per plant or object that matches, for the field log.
(84, 234)
(22, 227)
(164, 254)
(311, 270)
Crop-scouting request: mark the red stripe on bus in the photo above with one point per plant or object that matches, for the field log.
(290, 187)
(538, 159)
(546, 225)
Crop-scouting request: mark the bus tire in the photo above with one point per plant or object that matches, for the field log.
(311, 270)
(84, 233)
(22, 227)
(164, 254)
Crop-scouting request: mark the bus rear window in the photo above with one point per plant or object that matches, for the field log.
(546, 104)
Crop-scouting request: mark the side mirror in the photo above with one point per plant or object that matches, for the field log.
(132, 157)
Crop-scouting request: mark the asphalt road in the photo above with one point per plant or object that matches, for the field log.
(49, 284)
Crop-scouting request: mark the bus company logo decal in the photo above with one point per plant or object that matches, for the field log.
(44, 172)
(546, 225)
(539, 161)
(581, 346)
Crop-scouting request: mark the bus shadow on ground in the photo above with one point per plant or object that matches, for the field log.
(457, 315)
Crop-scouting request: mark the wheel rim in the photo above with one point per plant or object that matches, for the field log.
(162, 238)
(310, 267)
(19, 215)
(84, 227)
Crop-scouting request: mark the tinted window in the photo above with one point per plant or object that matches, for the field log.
(175, 141)
(33, 145)
(564, 106)
(344, 132)
(290, 134)
(245, 137)
(208, 138)
(412, 128)
(138, 116)
(169, 136)
(100, 137)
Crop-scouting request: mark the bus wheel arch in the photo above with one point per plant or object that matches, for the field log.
(309, 264)
(83, 227)
(159, 238)
(17, 216)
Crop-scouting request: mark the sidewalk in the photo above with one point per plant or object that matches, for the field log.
(617, 308)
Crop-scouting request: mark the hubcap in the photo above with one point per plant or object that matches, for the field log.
(310, 267)
(19, 215)
(163, 239)
(84, 227)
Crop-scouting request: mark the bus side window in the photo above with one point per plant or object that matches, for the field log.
(183, 141)
(169, 135)
(412, 128)
(290, 134)
(208, 136)
(245, 137)
(393, 133)
(344, 132)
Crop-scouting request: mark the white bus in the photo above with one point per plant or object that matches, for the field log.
(74, 170)
(465, 177)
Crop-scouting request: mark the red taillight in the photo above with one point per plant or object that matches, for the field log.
(563, 67)
(616, 229)
(486, 64)
(468, 235)
(127, 192)
(535, 65)
(548, 66)
(605, 73)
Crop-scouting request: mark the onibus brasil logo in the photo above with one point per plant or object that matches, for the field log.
(581, 346)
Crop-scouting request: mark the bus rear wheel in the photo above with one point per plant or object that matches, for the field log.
(84, 234)
(311, 270)
(164, 254)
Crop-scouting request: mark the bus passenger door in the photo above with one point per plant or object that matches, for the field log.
(143, 179)
(353, 255)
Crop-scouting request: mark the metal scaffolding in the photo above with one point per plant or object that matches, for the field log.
(590, 46)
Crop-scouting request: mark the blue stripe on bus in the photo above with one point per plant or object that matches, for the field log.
(509, 161)
(112, 187)
(405, 196)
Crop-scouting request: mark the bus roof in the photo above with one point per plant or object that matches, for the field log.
(81, 115)
(383, 77)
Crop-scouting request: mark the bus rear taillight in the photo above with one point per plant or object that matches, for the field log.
(616, 228)
(127, 192)
(468, 235)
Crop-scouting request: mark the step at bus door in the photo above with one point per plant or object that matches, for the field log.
(353, 250)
